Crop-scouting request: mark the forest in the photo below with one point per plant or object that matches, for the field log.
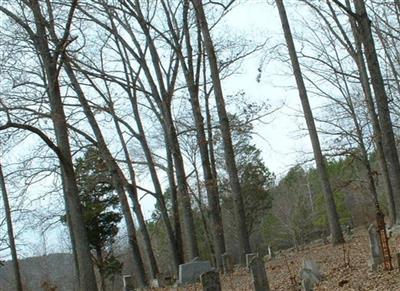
(174, 145)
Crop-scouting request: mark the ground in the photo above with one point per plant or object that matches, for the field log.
(352, 273)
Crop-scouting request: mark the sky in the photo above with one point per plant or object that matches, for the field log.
(279, 138)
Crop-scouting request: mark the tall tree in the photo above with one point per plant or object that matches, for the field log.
(40, 34)
(240, 215)
(389, 143)
(99, 205)
(119, 180)
(191, 67)
(10, 230)
(333, 219)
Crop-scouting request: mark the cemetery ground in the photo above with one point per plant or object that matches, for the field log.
(345, 267)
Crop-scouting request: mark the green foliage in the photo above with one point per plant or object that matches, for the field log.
(255, 178)
(98, 200)
(99, 208)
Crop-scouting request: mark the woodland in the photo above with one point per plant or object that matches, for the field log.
(122, 144)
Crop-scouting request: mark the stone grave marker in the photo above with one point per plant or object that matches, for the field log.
(190, 272)
(210, 281)
(249, 257)
(270, 255)
(128, 283)
(227, 263)
(375, 246)
(310, 275)
(258, 274)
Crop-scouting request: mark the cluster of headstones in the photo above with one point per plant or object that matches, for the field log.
(197, 269)
(209, 277)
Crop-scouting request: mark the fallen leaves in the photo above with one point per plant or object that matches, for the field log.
(345, 273)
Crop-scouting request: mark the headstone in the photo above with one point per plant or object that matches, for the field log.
(270, 254)
(324, 238)
(249, 257)
(375, 246)
(258, 274)
(190, 272)
(195, 259)
(227, 263)
(128, 283)
(398, 260)
(155, 283)
(210, 281)
(310, 275)
(349, 230)
(165, 279)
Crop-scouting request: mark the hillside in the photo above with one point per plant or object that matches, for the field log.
(37, 272)
(355, 276)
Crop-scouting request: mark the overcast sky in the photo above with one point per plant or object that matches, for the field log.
(280, 140)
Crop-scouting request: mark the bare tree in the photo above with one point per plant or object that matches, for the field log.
(40, 35)
(333, 219)
(243, 237)
(10, 230)
(389, 144)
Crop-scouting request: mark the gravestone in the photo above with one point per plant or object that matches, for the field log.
(249, 257)
(227, 263)
(324, 238)
(310, 275)
(270, 254)
(128, 283)
(258, 274)
(190, 272)
(210, 281)
(154, 283)
(398, 260)
(165, 279)
(375, 246)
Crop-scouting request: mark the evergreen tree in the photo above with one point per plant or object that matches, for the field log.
(99, 207)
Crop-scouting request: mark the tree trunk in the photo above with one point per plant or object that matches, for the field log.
(100, 266)
(242, 233)
(189, 229)
(87, 279)
(174, 204)
(133, 194)
(333, 219)
(214, 211)
(11, 239)
(175, 240)
(119, 180)
(389, 144)
(377, 134)
(163, 95)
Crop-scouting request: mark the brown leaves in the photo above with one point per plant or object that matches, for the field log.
(345, 273)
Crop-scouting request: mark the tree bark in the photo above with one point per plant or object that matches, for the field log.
(10, 231)
(174, 204)
(119, 180)
(175, 240)
(133, 194)
(214, 211)
(377, 133)
(333, 218)
(87, 279)
(242, 233)
(389, 144)
(189, 229)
